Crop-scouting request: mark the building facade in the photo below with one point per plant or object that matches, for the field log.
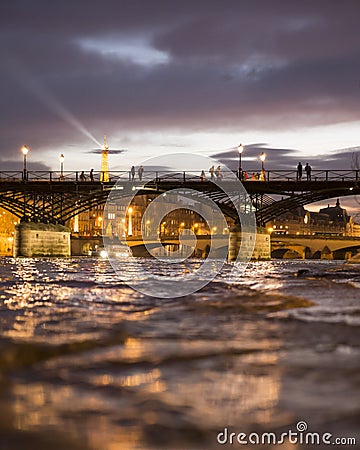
(331, 221)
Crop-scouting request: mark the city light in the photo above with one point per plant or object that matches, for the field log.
(25, 150)
(103, 254)
(130, 225)
(262, 159)
(240, 150)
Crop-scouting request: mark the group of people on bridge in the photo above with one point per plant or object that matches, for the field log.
(300, 172)
(132, 173)
(91, 175)
(214, 174)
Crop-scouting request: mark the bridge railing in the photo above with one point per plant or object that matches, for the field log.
(316, 175)
(45, 175)
(162, 175)
(335, 175)
(176, 176)
(279, 175)
(11, 175)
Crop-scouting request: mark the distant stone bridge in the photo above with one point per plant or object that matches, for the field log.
(315, 247)
(200, 244)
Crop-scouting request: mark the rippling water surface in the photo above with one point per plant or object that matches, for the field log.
(86, 362)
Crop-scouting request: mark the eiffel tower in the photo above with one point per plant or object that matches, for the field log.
(104, 175)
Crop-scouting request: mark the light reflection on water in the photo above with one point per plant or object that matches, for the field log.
(86, 362)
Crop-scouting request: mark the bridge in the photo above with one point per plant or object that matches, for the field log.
(315, 247)
(51, 197)
(197, 246)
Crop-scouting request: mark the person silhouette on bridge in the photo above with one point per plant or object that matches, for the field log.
(140, 172)
(308, 172)
(202, 176)
(92, 175)
(299, 171)
(82, 176)
(132, 170)
(218, 173)
(212, 171)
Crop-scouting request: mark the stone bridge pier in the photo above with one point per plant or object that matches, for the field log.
(251, 246)
(41, 239)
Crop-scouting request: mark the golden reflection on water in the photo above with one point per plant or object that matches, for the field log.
(151, 380)
(109, 394)
(114, 406)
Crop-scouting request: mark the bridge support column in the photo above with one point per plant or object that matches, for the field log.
(41, 239)
(326, 253)
(244, 242)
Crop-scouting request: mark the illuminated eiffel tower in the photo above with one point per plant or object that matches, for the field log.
(104, 175)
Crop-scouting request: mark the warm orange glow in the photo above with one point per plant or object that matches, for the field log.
(62, 158)
(262, 157)
(25, 150)
(130, 210)
(240, 148)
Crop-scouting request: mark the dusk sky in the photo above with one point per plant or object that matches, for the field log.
(169, 76)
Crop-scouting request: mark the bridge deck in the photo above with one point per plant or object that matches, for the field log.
(340, 181)
(268, 175)
(48, 196)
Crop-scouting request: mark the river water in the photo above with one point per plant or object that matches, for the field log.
(88, 363)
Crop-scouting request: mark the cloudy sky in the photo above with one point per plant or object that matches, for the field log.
(166, 76)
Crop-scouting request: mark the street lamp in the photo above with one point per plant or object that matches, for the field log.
(25, 151)
(130, 230)
(240, 150)
(61, 159)
(262, 159)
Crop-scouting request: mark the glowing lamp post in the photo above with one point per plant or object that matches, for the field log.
(130, 229)
(262, 159)
(240, 150)
(61, 159)
(25, 151)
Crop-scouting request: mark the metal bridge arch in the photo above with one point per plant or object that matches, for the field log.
(45, 198)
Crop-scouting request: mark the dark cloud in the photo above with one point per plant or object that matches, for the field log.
(17, 166)
(287, 159)
(249, 65)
